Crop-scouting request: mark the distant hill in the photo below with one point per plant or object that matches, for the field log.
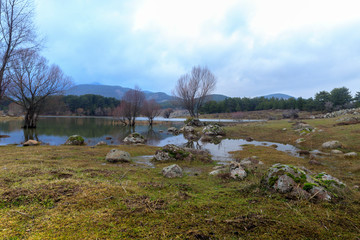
(278, 96)
(217, 97)
(112, 91)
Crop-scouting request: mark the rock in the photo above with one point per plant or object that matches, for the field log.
(249, 139)
(101, 143)
(172, 152)
(31, 143)
(314, 162)
(172, 171)
(284, 184)
(116, 155)
(284, 129)
(191, 136)
(108, 138)
(75, 140)
(213, 130)
(300, 140)
(134, 138)
(236, 171)
(303, 152)
(350, 155)
(320, 193)
(331, 145)
(219, 169)
(336, 152)
(250, 163)
(4, 136)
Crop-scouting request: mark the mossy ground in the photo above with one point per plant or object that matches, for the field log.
(70, 192)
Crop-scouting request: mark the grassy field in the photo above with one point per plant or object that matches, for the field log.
(68, 192)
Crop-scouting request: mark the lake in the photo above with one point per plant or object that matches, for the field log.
(56, 130)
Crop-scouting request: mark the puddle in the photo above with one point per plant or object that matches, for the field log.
(144, 161)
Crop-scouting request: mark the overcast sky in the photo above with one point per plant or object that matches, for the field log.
(253, 47)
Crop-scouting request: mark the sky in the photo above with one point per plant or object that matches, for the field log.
(253, 47)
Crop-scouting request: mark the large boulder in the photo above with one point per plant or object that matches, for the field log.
(172, 171)
(331, 145)
(134, 138)
(116, 155)
(31, 143)
(301, 183)
(75, 140)
(172, 152)
(187, 129)
(213, 130)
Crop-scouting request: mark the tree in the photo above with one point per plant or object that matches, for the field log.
(150, 109)
(357, 99)
(340, 96)
(321, 98)
(33, 81)
(131, 104)
(167, 112)
(16, 31)
(192, 89)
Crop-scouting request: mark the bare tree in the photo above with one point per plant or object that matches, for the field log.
(151, 109)
(192, 89)
(167, 112)
(32, 81)
(16, 31)
(120, 112)
(132, 102)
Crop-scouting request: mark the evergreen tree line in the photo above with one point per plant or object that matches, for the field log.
(338, 98)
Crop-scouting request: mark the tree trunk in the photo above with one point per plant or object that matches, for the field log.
(30, 119)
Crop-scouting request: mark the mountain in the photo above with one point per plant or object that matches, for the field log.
(278, 96)
(112, 91)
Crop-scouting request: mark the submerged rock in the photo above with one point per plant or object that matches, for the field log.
(116, 155)
(193, 122)
(172, 171)
(75, 140)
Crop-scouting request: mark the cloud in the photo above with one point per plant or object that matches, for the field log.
(253, 47)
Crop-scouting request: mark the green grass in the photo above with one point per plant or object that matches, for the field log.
(70, 192)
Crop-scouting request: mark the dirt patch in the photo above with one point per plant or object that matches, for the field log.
(151, 185)
(49, 192)
(249, 222)
(99, 172)
(144, 204)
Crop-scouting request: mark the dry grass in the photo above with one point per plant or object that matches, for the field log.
(64, 192)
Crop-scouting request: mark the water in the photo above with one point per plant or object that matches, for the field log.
(56, 130)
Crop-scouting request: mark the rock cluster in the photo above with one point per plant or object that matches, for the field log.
(134, 138)
(239, 169)
(194, 122)
(300, 183)
(354, 111)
